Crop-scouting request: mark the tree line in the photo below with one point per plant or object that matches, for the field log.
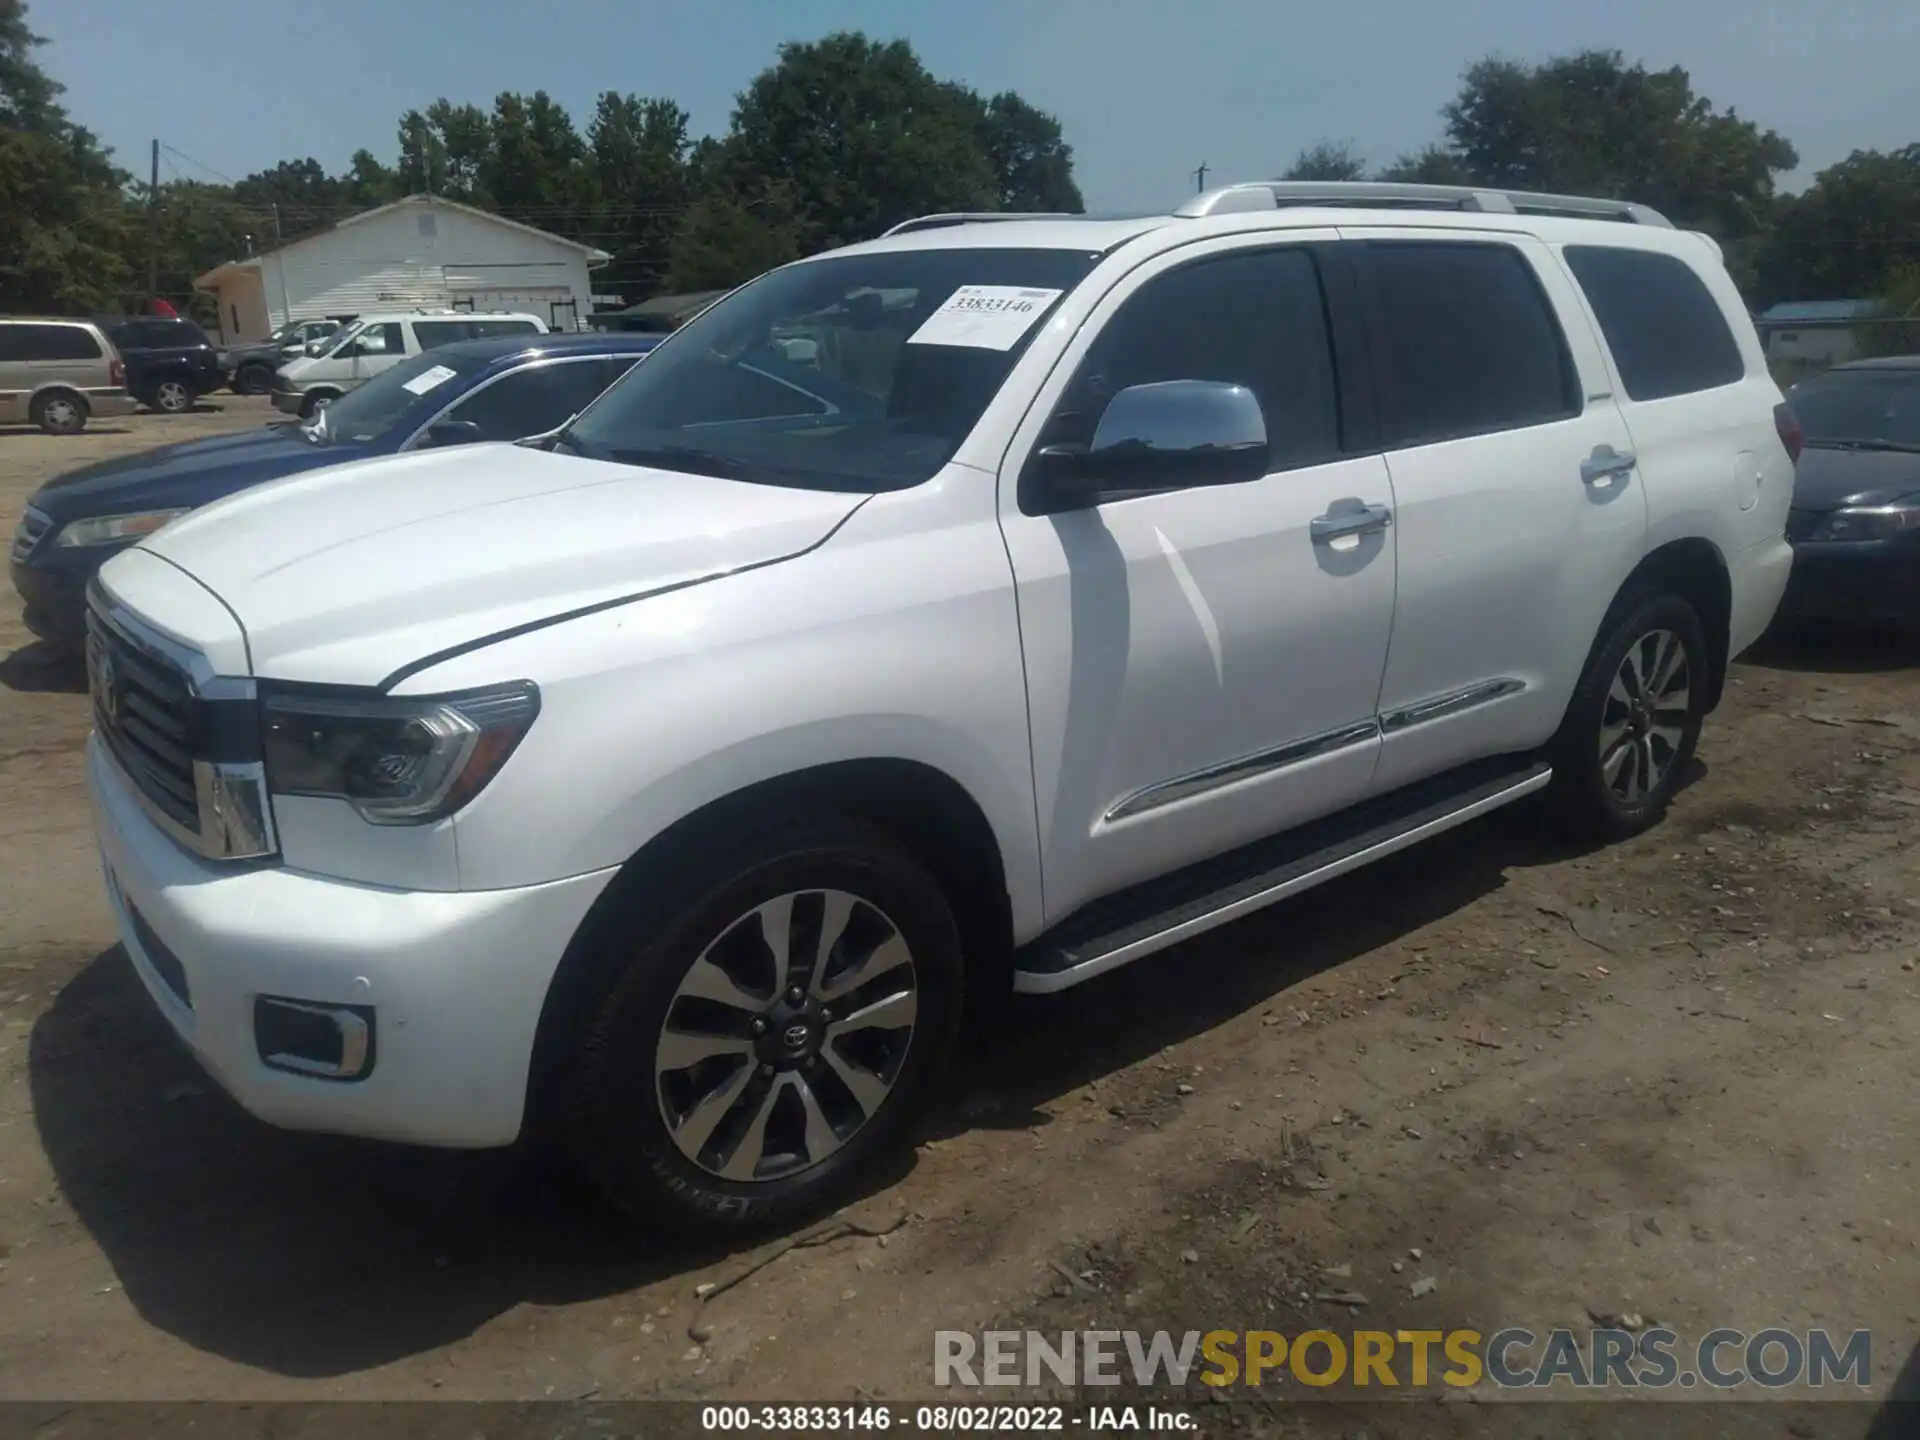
(841, 137)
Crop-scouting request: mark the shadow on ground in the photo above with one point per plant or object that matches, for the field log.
(1835, 650)
(38, 668)
(313, 1256)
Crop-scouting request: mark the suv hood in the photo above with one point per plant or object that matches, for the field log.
(188, 474)
(345, 576)
(1825, 477)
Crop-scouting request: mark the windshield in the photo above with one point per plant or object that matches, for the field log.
(402, 397)
(1878, 409)
(340, 338)
(858, 372)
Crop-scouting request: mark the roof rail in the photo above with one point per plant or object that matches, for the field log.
(1386, 195)
(974, 217)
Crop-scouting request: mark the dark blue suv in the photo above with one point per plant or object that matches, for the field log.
(501, 389)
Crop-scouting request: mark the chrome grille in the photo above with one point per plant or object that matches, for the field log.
(31, 530)
(143, 707)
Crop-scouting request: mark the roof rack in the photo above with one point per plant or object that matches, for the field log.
(1385, 195)
(974, 217)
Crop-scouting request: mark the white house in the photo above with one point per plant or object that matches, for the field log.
(423, 252)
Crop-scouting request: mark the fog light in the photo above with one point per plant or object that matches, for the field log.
(326, 1042)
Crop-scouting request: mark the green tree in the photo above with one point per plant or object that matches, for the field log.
(1433, 165)
(1032, 163)
(64, 222)
(1848, 233)
(864, 136)
(1327, 160)
(638, 163)
(724, 242)
(1591, 124)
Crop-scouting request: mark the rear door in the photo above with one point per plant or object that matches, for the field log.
(1519, 510)
(67, 355)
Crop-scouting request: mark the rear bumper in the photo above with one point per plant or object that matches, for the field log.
(1871, 583)
(109, 402)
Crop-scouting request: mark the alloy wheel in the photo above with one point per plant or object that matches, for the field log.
(172, 396)
(61, 414)
(786, 1036)
(1643, 719)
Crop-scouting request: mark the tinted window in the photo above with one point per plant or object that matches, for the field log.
(441, 332)
(1866, 408)
(157, 334)
(482, 329)
(1256, 320)
(1466, 341)
(47, 342)
(396, 400)
(891, 380)
(1667, 335)
(533, 400)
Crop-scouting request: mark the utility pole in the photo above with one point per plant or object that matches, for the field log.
(1200, 178)
(153, 229)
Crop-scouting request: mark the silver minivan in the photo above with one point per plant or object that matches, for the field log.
(57, 373)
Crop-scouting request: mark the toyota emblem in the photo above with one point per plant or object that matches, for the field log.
(795, 1036)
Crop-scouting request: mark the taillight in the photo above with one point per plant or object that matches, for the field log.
(1791, 434)
(116, 373)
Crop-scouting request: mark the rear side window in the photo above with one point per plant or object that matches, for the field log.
(485, 329)
(47, 342)
(1667, 335)
(1466, 341)
(1255, 319)
(535, 399)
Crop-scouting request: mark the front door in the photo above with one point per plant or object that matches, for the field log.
(1203, 665)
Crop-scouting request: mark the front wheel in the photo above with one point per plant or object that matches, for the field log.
(252, 380)
(768, 1024)
(1634, 721)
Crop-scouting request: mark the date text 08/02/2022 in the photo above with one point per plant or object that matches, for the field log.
(943, 1419)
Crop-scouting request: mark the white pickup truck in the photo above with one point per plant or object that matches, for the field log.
(999, 602)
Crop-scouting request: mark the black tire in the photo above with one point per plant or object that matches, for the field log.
(614, 1118)
(254, 379)
(59, 412)
(1605, 796)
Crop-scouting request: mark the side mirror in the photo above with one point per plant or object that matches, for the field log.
(452, 432)
(1167, 435)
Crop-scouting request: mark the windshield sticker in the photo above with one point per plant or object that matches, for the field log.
(984, 317)
(427, 379)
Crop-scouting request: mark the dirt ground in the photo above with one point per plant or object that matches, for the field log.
(1674, 1078)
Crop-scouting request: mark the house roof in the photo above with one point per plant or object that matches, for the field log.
(214, 276)
(668, 307)
(1819, 312)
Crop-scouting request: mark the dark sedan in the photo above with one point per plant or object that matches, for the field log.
(501, 389)
(1855, 523)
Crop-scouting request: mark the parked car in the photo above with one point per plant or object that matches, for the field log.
(1855, 523)
(374, 343)
(670, 779)
(249, 368)
(170, 362)
(56, 373)
(503, 389)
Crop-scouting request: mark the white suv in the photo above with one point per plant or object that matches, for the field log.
(1074, 587)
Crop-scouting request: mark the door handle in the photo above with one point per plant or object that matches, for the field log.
(1604, 463)
(1364, 520)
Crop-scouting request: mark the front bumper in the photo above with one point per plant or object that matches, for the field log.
(109, 403)
(1870, 582)
(452, 982)
(55, 594)
(287, 402)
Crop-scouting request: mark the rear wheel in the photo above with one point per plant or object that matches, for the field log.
(1634, 721)
(172, 397)
(765, 1027)
(59, 412)
(252, 380)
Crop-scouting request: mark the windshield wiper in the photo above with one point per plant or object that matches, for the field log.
(1893, 445)
(685, 458)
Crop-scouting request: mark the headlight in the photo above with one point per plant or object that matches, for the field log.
(1869, 522)
(398, 761)
(111, 529)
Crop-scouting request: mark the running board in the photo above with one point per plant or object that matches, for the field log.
(1109, 933)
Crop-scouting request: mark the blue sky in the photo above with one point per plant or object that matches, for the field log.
(1146, 89)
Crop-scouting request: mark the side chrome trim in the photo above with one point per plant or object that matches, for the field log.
(1438, 707)
(1231, 772)
(1031, 983)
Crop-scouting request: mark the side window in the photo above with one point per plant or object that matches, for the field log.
(384, 339)
(433, 333)
(1257, 320)
(486, 329)
(531, 400)
(1466, 341)
(1666, 332)
(47, 342)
